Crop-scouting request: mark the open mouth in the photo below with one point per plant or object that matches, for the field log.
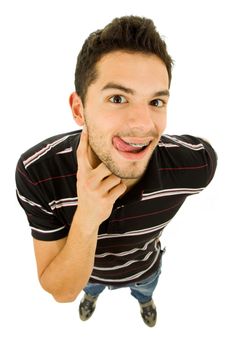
(126, 146)
(136, 148)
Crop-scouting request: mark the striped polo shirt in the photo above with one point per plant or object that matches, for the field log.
(128, 247)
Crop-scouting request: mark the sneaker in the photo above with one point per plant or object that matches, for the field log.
(148, 313)
(87, 307)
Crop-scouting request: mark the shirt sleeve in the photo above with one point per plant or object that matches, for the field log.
(206, 155)
(44, 224)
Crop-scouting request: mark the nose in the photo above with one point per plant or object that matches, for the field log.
(140, 117)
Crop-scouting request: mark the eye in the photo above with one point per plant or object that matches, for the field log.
(118, 99)
(158, 103)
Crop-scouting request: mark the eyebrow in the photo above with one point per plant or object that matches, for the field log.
(131, 91)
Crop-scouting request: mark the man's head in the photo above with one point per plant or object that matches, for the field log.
(122, 83)
(129, 33)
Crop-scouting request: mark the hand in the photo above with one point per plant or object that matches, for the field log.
(98, 188)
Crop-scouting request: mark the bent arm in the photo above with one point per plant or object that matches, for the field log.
(64, 266)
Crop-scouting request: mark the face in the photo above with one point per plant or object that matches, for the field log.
(125, 112)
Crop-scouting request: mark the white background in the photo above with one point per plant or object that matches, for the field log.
(39, 44)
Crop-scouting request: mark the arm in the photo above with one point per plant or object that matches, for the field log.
(64, 266)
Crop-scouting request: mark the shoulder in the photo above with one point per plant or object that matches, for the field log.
(48, 147)
(49, 159)
(183, 141)
(186, 144)
(188, 153)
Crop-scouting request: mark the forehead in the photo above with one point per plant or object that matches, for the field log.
(131, 67)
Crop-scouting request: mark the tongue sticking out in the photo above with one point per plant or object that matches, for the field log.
(123, 146)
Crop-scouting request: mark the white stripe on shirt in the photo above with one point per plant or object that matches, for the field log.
(47, 231)
(33, 204)
(64, 202)
(194, 147)
(170, 192)
(44, 151)
(130, 278)
(133, 233)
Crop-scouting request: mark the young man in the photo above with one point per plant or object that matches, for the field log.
(98, 200)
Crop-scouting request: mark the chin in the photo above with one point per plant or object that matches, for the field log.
(132, 171)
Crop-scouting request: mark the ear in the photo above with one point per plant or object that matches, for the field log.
(76, 106)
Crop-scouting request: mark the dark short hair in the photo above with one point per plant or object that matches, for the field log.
(128, 33)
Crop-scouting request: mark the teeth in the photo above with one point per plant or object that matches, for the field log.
(139, 145)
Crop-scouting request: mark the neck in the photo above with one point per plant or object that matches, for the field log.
(130, 183)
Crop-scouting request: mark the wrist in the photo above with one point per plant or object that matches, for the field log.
(84, 222)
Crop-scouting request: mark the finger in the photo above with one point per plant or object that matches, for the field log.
(101, 172)
(109, 183)
(82, 151)
(117, 191)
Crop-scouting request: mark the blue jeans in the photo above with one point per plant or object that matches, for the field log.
(142, 290)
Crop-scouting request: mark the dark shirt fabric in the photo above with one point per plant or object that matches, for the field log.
(128, 247)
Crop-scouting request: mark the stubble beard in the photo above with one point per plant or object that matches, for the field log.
(132, 171)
